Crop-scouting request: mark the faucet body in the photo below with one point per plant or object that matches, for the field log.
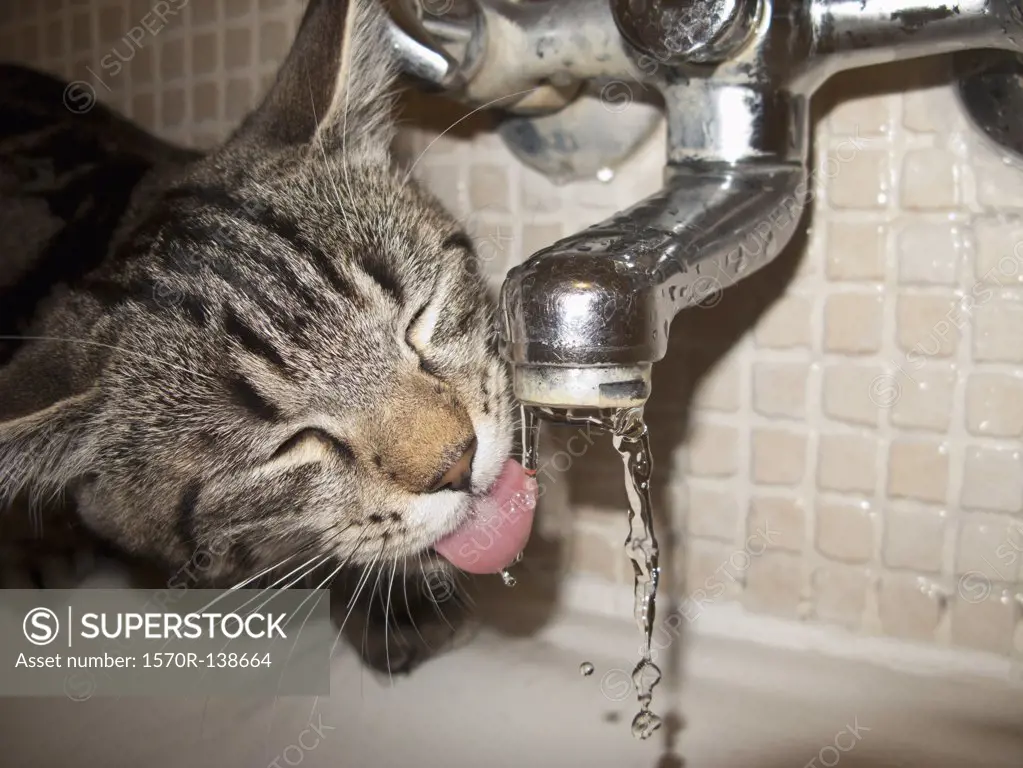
(584, 319)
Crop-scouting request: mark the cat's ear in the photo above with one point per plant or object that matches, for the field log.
(43, 451)
(335, 85)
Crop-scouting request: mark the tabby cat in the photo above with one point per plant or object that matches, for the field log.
(281, 352)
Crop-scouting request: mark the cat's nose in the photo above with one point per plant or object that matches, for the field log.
(424, 437)
(458, 476)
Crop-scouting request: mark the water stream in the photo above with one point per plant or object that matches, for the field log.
(631, 440)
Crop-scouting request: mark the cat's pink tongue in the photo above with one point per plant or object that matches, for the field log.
(499, 527)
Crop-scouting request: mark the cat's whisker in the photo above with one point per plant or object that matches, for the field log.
(462, 119)
(387, 620)
(365, 632)
(408, 608)
(321, 585)
(298, 578)
(320, 558)
(251, 599)
(273, 707)
(261, 573)
(434, 599)
(463, 596)
(443, 616)
(267, 602)
(351, 606)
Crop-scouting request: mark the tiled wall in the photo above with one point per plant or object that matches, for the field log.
(837, 439)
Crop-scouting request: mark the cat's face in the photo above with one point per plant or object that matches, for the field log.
(318, 375)
(300, 352)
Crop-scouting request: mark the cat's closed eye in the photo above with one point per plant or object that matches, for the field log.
(417, 335)
(314, 439)
(413, 333)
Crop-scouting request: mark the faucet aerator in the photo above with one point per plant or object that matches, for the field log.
(600, 387)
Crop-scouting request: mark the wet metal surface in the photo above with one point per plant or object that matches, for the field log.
(602, 300)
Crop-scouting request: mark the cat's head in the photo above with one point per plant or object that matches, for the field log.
(301, 354)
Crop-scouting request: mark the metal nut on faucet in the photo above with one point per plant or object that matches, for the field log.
(676, 31)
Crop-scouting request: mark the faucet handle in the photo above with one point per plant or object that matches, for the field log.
(438, 42)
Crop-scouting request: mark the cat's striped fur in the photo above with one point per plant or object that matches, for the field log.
(281, 345)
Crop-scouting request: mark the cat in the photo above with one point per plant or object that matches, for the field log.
(281, 352)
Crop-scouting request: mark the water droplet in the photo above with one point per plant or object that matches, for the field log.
(509, 580)
(644, 724)
(518, 558)
(586, 669)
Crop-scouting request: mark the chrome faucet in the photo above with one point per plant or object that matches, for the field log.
(584, 320)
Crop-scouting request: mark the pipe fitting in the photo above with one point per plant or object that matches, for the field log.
(677, 31)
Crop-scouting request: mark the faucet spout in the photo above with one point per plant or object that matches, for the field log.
(586, 318)
(583, 321)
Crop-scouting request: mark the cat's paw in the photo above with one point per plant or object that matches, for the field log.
(417, 617)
